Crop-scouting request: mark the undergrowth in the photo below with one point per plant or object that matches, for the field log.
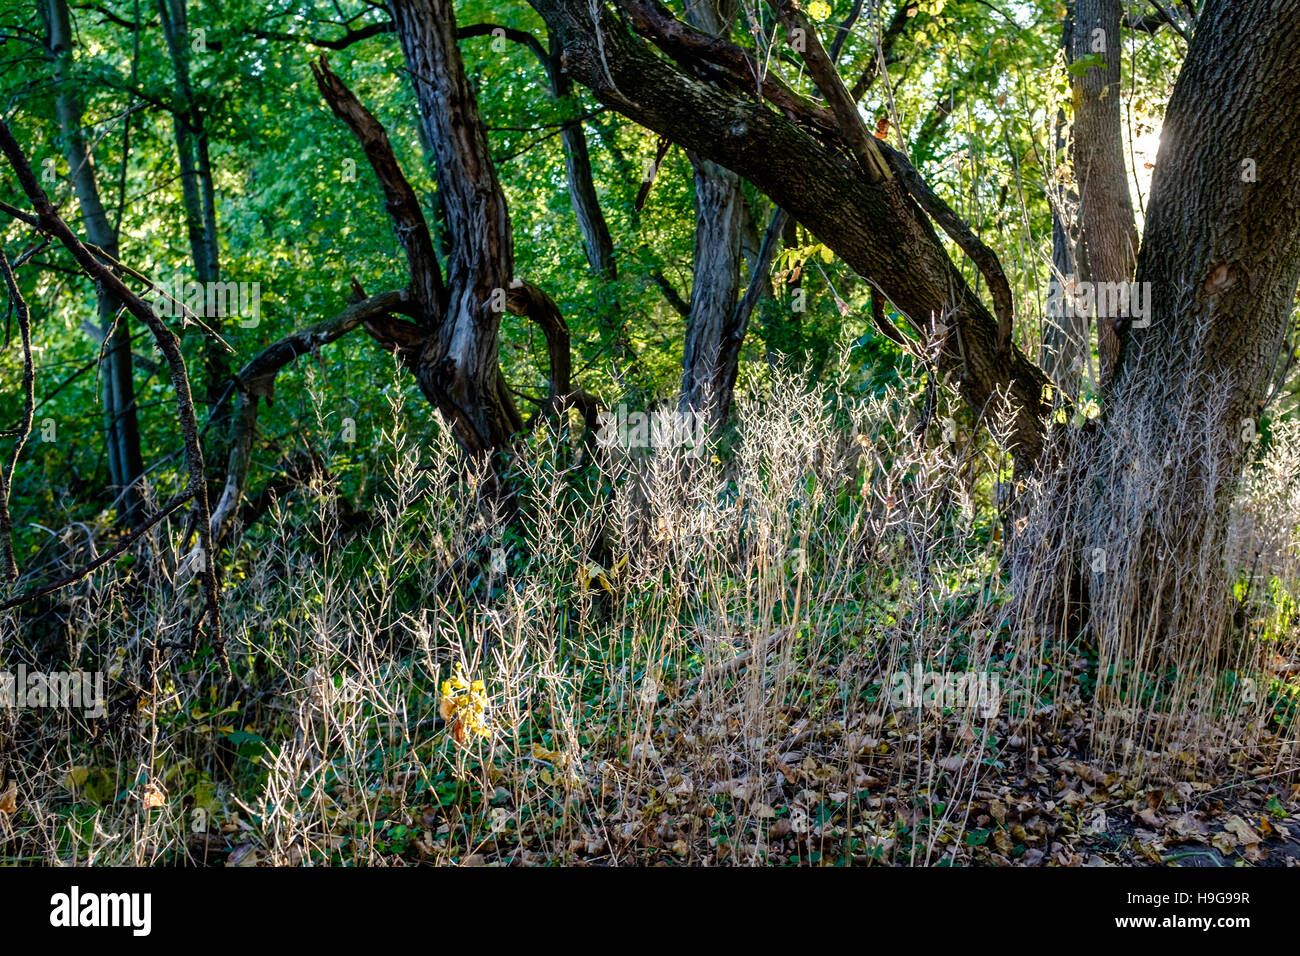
(653, 657)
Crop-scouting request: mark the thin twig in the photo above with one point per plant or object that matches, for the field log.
(8, 563)
(103, 559)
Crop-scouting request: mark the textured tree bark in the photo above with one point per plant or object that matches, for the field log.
(458, 368)
(1222, 255)
(800, 159)
(1110, 236)
(452, 345)
(1065, 333)
(715, 282)
(121, 427)
(715, 286)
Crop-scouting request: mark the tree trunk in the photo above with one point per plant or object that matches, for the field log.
(121, 428)
(1222, 256)
(1106, 210)
(1065, 352)
(458, 368)
(198, 196)
(582, 187)
(596, 240)
(720, 218)
(197, 192)
(715, 285)
(1065, 334)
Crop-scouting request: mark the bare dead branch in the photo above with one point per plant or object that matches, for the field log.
(522, 37)
(104, 558)
(52, 224)
(403, 206)
(760, 278)
(662, 145)
(8, 563)
(257, 380)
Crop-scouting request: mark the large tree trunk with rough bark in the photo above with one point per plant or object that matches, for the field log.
(1222, 256)
(457, 368)
(715, 285)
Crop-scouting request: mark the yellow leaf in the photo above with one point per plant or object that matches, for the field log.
(592, 573)
(447, 707)
(819, 10)
(550, 756)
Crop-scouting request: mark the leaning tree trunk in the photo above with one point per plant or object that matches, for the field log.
(121, 429)
(1222, 255)
(1106, 211)
(854, 193)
